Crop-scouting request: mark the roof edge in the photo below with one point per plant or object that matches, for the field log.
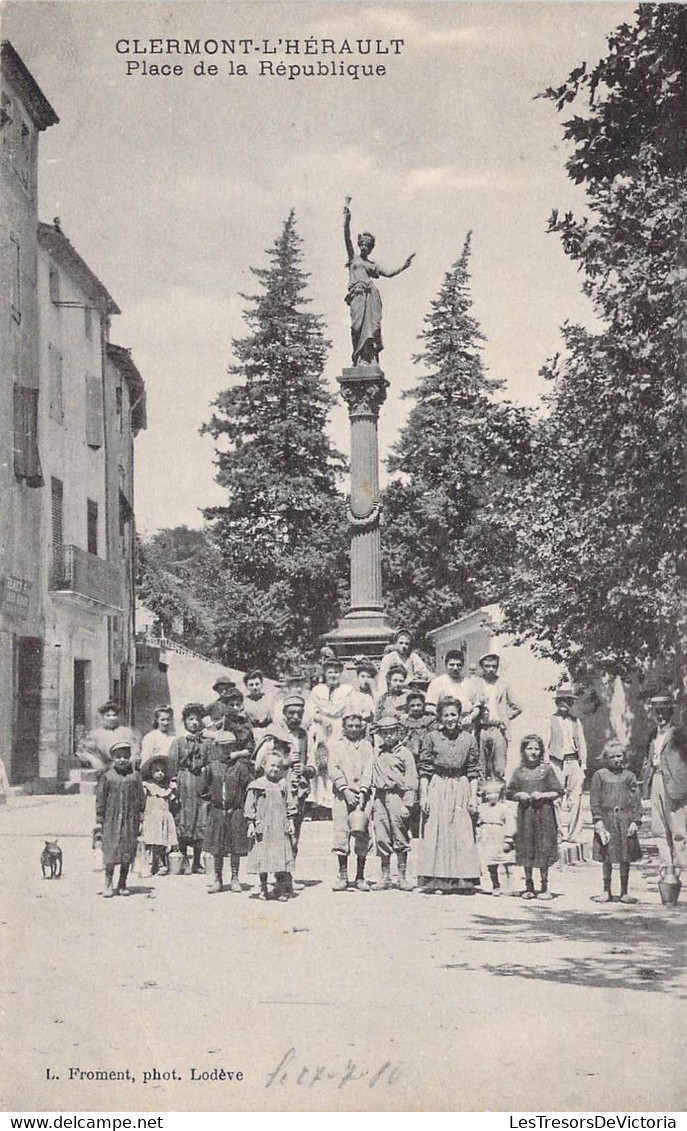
(35, 101)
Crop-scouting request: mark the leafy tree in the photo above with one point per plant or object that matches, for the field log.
(441, 557)
(281, 533)
(179, 574)
(601, 525)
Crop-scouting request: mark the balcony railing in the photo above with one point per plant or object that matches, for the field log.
(85, 575)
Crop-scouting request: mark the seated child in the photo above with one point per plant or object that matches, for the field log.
(269, 811)
(350, 771)
(119, 803)
(223, 784)
(495, 832)
(535, 786)
(159, 830)
(616, 805)
(395, 785)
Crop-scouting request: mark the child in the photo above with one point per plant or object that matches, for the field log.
(495, 832)
(269, 811)
(616, 806)
(395, 785)
(159, 740)
(393, 700)
(257, 704)
(119, 803)
(350, 771)
(223, 784)
(159, 830)
(189, 754)
(417, 724)
(535, 786)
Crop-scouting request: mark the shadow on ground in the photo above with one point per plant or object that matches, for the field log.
(637, 951)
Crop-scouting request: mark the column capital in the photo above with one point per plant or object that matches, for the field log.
(363, 388)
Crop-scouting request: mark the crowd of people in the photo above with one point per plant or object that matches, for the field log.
(421, 760)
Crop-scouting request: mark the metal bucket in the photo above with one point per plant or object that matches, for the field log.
(669, 887)
(357, 821)
(175, 861)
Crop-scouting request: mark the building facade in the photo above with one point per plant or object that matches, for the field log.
(71, 406)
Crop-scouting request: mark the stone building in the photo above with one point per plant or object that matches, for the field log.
(72, 404)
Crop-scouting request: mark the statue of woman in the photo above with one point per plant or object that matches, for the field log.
(363, 297)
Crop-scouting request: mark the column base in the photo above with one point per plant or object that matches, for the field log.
(362, 632)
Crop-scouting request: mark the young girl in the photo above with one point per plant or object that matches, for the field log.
(535, 786)
(119, 802)
(190, 753)
(223, 784)
(158, 741)
(269, 811)
(495, 829)
(159, 831)
(449, 771)
(616, 806)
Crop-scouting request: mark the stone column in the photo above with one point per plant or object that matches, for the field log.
(365, 629)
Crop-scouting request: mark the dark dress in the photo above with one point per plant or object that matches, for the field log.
(191, 754)
(536, 839)
(119, 803)
(224, 787)
(615, 800)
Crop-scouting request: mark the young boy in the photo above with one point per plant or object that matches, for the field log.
(350, 772)
(223, 784)
(417, 724)
(119, 804)
(234, 722)
(395, 787)
(188, 754)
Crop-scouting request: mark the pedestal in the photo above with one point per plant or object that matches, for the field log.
(365, 630)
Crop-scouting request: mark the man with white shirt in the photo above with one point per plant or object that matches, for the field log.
(666, 778)
(452, 685)
(498, 707)
(566, 749)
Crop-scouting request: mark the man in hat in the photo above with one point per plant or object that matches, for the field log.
(453, 685)
(566, 749)
(665, 777)
(395, 787)
(403, 652)
(94, 749)
(291, 741)
(498, 707)
(216, 711)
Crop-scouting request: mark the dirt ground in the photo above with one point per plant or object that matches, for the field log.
(386, 1001)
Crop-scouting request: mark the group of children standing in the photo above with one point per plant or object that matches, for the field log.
(212, 791)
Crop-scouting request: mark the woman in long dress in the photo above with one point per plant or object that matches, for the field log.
(449, 772)
(363, 297)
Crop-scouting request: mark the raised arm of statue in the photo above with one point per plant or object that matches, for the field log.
(350, 252)
(403, 267)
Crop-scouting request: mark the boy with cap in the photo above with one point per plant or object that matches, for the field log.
(223, 784)
(395, 787)
(119, 804)
(566, 749)
(350, 770)
(498, 707)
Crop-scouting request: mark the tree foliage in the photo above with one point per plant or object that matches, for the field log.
(441, 556)
(281, 533)
(601, 524)
(179, 577)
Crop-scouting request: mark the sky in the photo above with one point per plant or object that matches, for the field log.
(171, 188)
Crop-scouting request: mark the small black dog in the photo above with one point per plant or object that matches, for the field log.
(51, 860)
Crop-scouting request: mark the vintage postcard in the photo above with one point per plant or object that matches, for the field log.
(313, 855)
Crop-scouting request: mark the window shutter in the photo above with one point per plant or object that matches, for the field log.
(27, 464)
(56, 389)
(94, 411)
(57, 495)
